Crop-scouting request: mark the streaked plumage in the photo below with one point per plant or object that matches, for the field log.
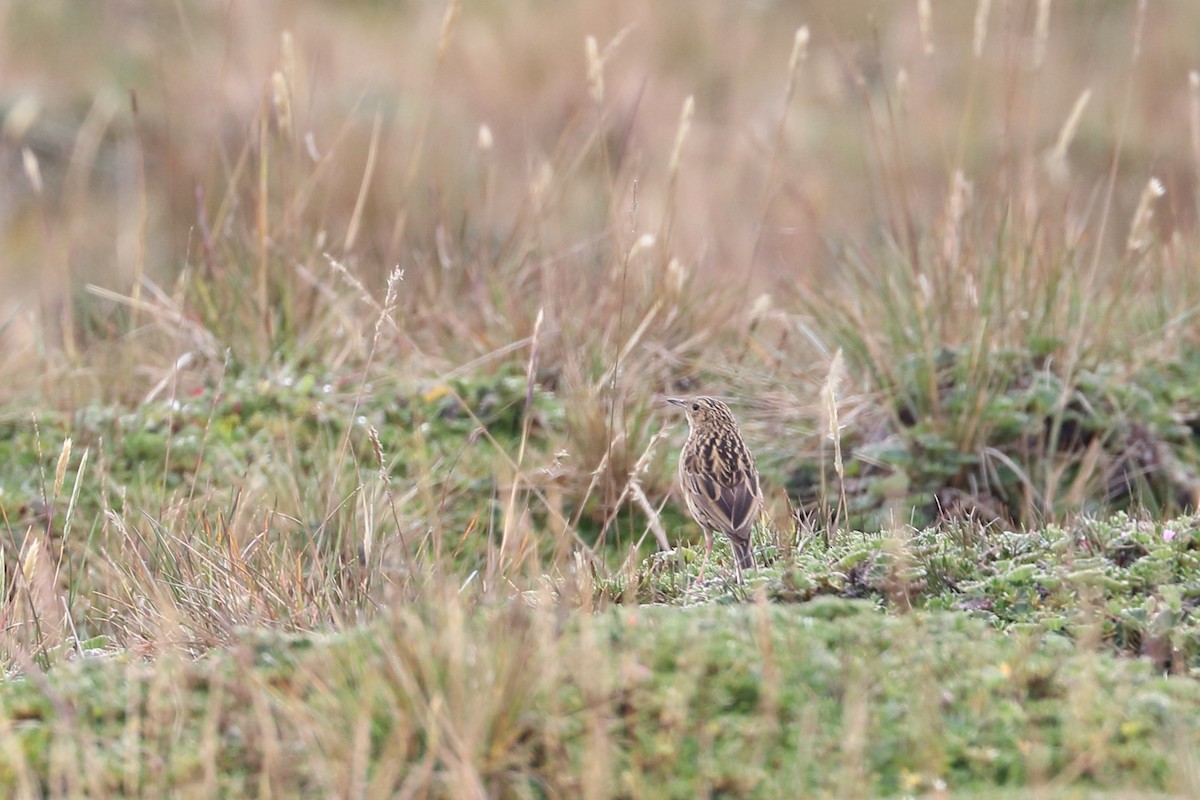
(718, 476)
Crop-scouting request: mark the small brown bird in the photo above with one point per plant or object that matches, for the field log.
(720, 481)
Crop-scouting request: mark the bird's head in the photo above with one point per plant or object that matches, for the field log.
(704, 412)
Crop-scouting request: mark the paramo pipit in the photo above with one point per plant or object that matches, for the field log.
(719, 479)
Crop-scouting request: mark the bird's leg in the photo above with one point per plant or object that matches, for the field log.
(708, 543)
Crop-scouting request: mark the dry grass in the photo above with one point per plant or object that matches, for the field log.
(334, 309)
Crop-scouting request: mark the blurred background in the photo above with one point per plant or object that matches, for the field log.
(137, 137)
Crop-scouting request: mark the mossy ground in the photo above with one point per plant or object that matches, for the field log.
(833, 697)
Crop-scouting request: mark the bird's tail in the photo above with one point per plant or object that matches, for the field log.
(742, 552)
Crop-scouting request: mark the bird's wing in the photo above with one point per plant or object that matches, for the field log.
(735, 507)
(722, 471)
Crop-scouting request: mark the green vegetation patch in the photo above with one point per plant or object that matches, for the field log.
(1133, 585)
(1004, 436)
(294, 433)
(831, 698)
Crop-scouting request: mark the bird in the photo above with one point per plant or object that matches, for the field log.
(719, 478)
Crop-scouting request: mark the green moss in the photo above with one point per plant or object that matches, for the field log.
(821, 698)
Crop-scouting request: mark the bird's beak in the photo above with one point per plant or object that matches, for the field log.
(677, 401)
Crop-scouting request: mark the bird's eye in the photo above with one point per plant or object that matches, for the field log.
(695, 406)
